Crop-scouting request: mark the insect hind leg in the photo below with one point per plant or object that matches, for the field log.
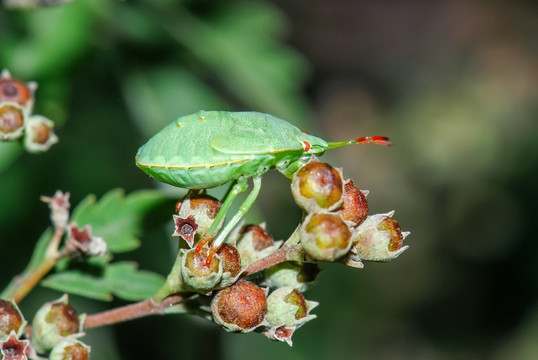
(243, 209)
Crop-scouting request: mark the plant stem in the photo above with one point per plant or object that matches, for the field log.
(291, 250)
(26, 281)
(131, 311)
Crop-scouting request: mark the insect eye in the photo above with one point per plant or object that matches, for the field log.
(306, 145)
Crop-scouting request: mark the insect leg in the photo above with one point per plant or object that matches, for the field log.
(243, 209)
(239, 187)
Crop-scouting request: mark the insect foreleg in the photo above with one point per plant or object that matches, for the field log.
(243, 209)
(239, 187)
(292, 168)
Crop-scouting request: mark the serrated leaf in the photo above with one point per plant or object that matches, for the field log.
(129, 283)
(116, 217)
(122, 280)
(79, 283)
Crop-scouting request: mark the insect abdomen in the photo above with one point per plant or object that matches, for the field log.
(208, 176)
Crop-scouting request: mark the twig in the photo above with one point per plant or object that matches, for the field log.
(131, 311)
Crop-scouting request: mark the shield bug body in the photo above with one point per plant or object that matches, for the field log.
(211, 148)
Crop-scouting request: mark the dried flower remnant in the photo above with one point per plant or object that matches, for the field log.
(11, 319)
(80, 242)
(59, 206)
(203, 208)
(14, 349)
(185, 228)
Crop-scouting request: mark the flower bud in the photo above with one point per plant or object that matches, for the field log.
(317, 186)
(379, 238)
(355, 206)
(325, 236)
(240, 307)
(203, 209)
(11, 319)
(287, 306)
(15, 91)
(287, 310)
(70, 350)
(55, 321)
(288, 274)
(231, 265)
(11, 121)
(196, 274)
(14, 349)
(40, 134)
(255, 243)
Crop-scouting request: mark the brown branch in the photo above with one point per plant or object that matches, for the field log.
(277, 257)
(131, 311)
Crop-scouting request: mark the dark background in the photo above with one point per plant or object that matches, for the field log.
(453, 83)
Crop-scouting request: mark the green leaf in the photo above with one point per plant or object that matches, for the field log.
(117, 218)
(122, 279)
(79, 283)
(129, 283)
(41, 247)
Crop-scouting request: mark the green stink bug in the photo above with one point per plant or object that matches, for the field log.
(211, 148)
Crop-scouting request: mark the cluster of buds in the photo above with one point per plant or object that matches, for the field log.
(335, 227)
(56, 329)
(337, 224)
(16, 118)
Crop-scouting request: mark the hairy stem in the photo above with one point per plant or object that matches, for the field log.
(131, 312)
(291, 250)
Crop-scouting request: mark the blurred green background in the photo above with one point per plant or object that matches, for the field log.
(453, 83)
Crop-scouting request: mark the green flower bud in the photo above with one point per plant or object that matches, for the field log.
(255, 243)
(325, 236)
(40, 134)
(11, 319)
(378, 238)
(54, 322)
(286, 306)
(70, 350)
(240, 307)
(12, 121)
(197, 275)
(288, 274)
(317, 186)
(14, 349)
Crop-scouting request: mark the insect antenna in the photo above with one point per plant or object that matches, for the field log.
(379, 140)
